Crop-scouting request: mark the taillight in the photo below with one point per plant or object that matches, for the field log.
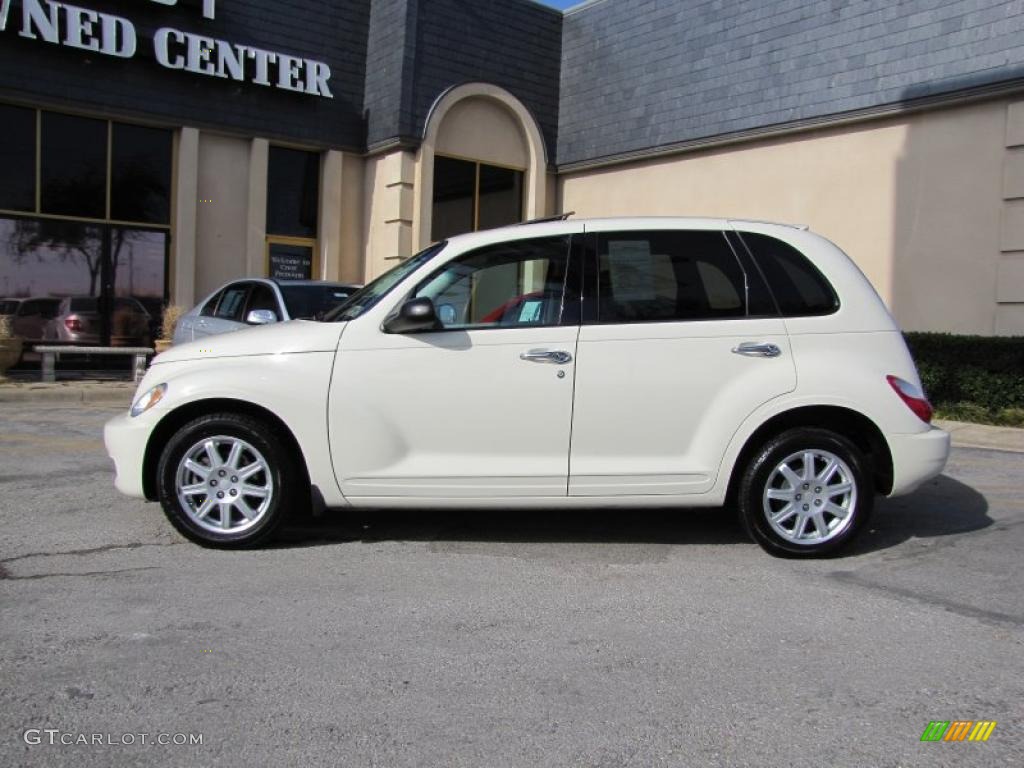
(913, 397)
(73, 324)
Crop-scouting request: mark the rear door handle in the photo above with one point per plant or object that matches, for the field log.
(757, 349)
(556, 356)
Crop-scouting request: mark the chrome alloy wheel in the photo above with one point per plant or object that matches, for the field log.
(224, 484)
(810, 497)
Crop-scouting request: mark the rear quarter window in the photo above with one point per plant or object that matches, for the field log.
(797, 285)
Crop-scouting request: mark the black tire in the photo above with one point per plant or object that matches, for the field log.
(290, 489)
(761, 470)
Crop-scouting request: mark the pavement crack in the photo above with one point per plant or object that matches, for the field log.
(90, 551)
(5, 575)
(961, 609)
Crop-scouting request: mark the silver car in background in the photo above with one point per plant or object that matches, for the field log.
(79, 322)
(258, 301)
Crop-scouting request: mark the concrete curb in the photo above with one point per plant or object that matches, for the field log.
(967, 435)
(111, 393)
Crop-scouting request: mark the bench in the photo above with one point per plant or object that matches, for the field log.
(50, 355)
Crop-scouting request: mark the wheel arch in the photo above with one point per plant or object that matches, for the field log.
(186, 412)
(853, 425)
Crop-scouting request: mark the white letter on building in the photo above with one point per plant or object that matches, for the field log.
(117, 30)
(160, 44)
(317, 75)
(263, 61)
(79, 32)
(32, 14)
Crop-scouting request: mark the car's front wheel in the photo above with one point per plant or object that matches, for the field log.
(224, 480)
(807, 492)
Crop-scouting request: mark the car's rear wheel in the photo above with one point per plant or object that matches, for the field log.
(807, 492)
(224, 480)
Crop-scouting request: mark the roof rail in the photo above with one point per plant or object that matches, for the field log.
(556, 217)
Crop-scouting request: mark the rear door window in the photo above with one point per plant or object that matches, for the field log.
(799, 288)
(667, 276)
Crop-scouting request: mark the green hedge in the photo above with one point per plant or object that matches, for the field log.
(972, 378)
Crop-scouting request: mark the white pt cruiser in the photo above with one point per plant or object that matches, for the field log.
(590, 363)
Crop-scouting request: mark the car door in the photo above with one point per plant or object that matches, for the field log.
(223, 313)
(681, 344)
(479, 409)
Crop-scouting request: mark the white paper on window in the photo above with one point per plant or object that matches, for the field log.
(631, 270)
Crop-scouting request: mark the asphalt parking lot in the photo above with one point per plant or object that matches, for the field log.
(538, 639)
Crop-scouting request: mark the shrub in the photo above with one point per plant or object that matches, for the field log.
(974, 378)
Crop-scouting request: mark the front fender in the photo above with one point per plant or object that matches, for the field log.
(292, 386)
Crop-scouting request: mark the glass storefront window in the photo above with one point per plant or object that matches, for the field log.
(454, 197)
(470, 196)
(18, 159)
(501, 197)
(84, 227)
(293, 192)
(293, 207)
(73, 169)
(140, 169)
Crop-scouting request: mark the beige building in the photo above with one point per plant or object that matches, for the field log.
(897, 132)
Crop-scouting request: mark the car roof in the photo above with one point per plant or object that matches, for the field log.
(603, 224)
(323, 283)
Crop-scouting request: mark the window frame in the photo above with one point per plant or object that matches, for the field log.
(592, 279)
(569, 312)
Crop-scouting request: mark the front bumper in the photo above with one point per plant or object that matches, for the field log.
(125, 439)
(917, 458)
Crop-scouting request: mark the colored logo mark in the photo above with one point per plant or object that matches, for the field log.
(958, 730)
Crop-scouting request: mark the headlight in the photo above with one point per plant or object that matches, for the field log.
(148, 400)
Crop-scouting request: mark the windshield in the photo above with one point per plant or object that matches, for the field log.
(308, 302)
(368, 296)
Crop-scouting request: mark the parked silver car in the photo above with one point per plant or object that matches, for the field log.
(257, 301)
(78, 322)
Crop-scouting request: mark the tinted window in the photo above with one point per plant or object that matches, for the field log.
(74, 166)
(501, 197)
(140, 174)
(313, 301)
(211, 306)
(262, 297)
(293, 192)
(46, 308)
(667, 275)
(454, 197)
(514, 284)
(231, 303)
(18, 159)
(82, 304)
(798, 287)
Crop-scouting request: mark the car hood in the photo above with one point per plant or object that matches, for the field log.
(292, 337)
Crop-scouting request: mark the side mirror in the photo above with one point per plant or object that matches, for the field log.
(414, 316)
(261, 317)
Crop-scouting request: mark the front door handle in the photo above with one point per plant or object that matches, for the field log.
(757, 349)
(556, 356)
